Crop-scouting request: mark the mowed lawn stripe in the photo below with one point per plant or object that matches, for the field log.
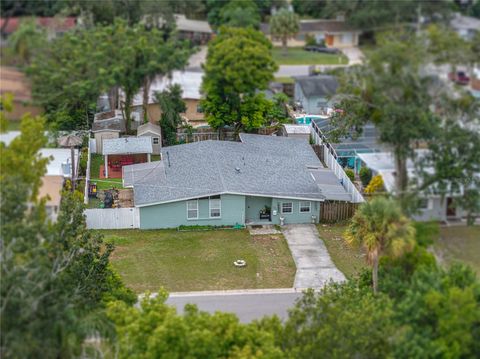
(203, 260)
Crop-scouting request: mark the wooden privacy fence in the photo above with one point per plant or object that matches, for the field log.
(332, 211)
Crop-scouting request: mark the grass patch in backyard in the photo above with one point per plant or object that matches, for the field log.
(350, 260)
(285, 80)
(459, 244)
(203, 260)
(95, 161)
(107, 183)
(298, 56)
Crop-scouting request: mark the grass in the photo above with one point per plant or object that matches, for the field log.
(285, 80)
(203, 260)
(298, 56)
(350, 260)
(459, 244)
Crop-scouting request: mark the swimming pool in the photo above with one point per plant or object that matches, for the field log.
(307, 119)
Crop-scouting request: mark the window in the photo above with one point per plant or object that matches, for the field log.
(155, 140)
(215, 204)
(287, 207)
(192, 209)
(425, 204)
(305, 206)
(199, 108)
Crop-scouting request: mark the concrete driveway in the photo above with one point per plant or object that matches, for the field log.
(314, 265)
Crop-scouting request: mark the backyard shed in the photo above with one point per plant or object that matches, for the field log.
(154, 132)
(119, 152)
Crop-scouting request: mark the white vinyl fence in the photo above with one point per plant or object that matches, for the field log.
(330, 158)
(113, 218)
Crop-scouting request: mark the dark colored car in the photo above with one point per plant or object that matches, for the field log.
(459, 77)
(325, 50)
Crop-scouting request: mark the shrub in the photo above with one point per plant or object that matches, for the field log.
(350, 174)
(375, 185)
(365, 175)
(310, 40)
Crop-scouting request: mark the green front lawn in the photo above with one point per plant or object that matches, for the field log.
(459, 244)
(200, 260)
(349, 259)
(298, 56)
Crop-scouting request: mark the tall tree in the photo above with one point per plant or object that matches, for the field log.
(240, 13)
(171, 104)
(284, 25)
(389, 91)
(239, 62)
(311, 8)
(25, 42)
(381, 228)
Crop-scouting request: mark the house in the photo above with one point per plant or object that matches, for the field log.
(54, 26)
(107, 125)
(154, 132)
(314, 93)
(51, 189)
(260, 180)
(335, 33)
(190, 82)
(119, 152)
(434, 206)
(197, 31)
(13, 81)
(465, 26)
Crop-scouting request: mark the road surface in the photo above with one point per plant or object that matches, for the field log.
(247, 305)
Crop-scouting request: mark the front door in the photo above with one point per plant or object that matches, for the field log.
(451, 209)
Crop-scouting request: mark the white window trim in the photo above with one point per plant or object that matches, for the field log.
(300, 207)
(192, 218)
(219, 207)
(281, 208)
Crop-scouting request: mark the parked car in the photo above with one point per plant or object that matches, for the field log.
(459, 77)
(322, 49)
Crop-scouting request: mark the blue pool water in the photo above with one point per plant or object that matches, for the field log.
(307, 120)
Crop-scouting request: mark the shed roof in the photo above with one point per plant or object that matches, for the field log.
(297, 129)
(127, 145)
(149, 127)
(317, 86)
(116, 124)
(184, 24)
(267, 166)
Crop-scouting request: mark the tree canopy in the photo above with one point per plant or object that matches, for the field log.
(284, 25)
(239, 63)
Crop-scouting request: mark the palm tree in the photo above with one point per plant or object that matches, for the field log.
(284, 25)
(381, 228)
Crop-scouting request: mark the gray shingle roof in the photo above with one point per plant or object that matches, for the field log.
(318, 86)
(127, 145)
(259, 165)
(110, 124)
(149, 127)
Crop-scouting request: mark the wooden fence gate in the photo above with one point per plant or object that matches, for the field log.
(332, 211)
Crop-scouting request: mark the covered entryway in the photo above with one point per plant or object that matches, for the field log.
(258, 210)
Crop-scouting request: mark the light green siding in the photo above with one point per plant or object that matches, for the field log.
(170, 215)
(295, 216)
(253, 205)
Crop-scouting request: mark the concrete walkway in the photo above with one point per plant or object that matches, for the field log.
(314, 265)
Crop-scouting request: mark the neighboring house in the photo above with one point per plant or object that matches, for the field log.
(190, 82)
(199, 32)
(296, 131)
(107, 125)
(16, 83)
(465, 26)
(119, 152)
(314, 93)
(434, 206)
(55, 26)
(51, 189)
(333, 33)
(262, 180)
(154, 132)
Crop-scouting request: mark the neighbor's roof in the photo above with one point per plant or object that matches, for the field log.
(149, 127)
(140, 172)
(59, 24)
(16, 83)
(189, 81)
(461, 22)
(184, 24)
(318, 25)
(116, 124)
(297, 129)
(61, 162)
(127, 145)
(317, 86)
(259, 165)
(51, 187)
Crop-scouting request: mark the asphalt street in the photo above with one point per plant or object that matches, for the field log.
(248, 305)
